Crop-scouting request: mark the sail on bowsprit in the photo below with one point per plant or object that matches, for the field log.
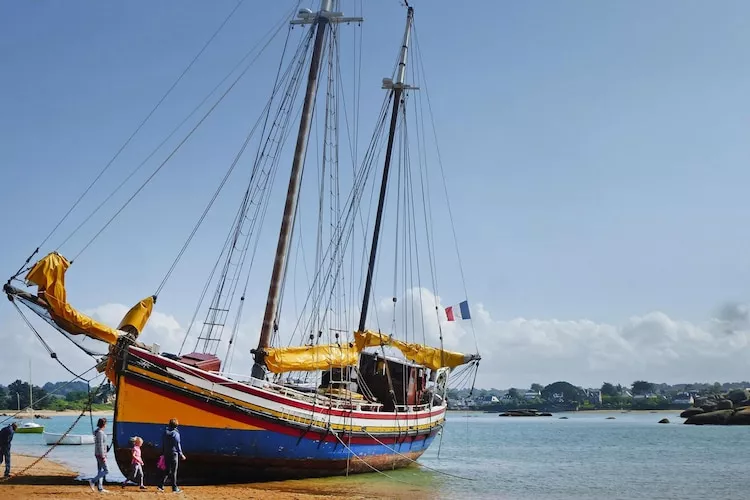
(49, 276)
(346, 398)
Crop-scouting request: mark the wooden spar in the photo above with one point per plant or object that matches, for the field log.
(322, 19)
(397, 87)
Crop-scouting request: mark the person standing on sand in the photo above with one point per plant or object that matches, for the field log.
(100, 452)
(172, 451)
(6, 436)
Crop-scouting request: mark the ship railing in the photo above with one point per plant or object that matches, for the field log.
(242, 378)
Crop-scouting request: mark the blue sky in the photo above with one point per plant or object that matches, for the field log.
(596, 151)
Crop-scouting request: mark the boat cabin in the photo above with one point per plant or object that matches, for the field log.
(392, 381)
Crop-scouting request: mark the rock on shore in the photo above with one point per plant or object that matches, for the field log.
(525, 413)
(732, 408)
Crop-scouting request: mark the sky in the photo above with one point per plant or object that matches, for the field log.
(595, 155)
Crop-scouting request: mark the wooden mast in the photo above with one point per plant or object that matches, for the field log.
(397, 88)
(321, 19)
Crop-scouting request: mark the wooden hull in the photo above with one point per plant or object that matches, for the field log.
(242, 432)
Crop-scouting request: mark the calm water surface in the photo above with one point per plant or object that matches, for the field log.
(583, 457)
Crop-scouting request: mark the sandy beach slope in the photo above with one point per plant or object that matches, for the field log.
(51, 480)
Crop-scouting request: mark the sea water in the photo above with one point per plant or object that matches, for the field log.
(482, 455)
(79, 458)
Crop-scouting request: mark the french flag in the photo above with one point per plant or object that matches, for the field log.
(461, 311)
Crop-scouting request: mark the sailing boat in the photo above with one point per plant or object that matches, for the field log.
(363, 402)
(30, 427)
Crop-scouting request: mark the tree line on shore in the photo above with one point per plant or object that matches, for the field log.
(56, 396)
(641, 394)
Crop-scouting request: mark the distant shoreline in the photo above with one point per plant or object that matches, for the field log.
(572, 411)
(622, 411)
(52, 413)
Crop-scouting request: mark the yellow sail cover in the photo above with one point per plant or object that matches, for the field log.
(49, 276)
(323, 357)
(430, 357)
(308, 358)
(136, 318)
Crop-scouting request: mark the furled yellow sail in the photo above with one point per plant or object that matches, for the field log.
(323, 357)
(308, 358)
(136, 318)
(430, 357)
(49, 276)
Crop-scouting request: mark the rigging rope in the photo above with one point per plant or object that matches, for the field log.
(442, 174)
(343, 222)
(139, 127)
(440, 443)
(52, 393)
(21, 269)
(263, 171)
(179, 145)
(263, 174)
(200, 301)
(226, 176)
(52, 353)
(88, 407)
(171, 134)
(350, 212)
(367, 463)
(419, 463)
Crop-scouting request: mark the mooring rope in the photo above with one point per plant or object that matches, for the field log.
(370, 466)
(418, 463)
(48, 395)
(52, 447)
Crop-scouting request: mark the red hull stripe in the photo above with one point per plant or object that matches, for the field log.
(161, 361)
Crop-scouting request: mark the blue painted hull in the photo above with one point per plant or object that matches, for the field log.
(228, 455)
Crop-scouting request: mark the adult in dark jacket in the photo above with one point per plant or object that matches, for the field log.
(6, 437)
(172, 451)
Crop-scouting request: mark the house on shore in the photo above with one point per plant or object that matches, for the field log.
(529, 395)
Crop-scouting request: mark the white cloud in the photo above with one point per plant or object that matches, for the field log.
(23, 346)
(519, 351)
(515, 351)
(163, 329)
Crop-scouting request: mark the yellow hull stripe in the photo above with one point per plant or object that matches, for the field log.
(135, 404)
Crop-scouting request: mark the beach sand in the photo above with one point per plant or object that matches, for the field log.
(48, 479)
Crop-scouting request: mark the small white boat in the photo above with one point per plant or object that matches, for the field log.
(52, 438)
(30, 428)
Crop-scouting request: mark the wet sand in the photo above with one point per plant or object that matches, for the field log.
(48, 479)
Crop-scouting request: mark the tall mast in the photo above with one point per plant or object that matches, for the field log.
(322, 18)
(397, 88)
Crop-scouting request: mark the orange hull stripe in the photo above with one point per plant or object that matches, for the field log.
(136, 404)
